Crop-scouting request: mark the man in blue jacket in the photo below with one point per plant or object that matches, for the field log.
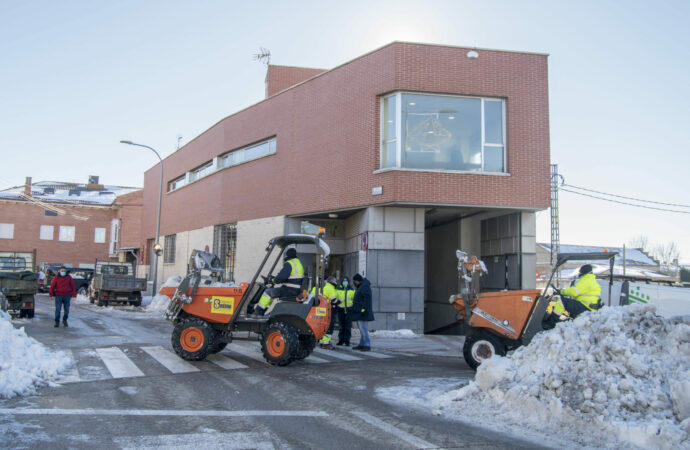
(362, 310)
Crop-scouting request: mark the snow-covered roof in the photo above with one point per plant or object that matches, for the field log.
(60, 192)
(633, 256)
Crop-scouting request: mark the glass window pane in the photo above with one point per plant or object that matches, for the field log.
(493, 122)
(441, 132)
(272, 146)
(493, 159)
(46, 232)
(389, 156)
(389, 115)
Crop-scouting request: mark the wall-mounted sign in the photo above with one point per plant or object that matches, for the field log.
(365, 241)
(377, 190)
(362, 263)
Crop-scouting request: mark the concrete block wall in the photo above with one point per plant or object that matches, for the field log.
(395, 265)
(528, 248)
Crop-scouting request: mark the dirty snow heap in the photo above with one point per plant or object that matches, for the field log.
(24, 362)
(621, 375)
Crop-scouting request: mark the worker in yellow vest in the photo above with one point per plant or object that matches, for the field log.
(584, 295)
(287, 283)
(346, 292)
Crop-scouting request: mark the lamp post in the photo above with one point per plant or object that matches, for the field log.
(156, 246)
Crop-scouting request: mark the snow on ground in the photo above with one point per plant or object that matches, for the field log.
(406, 334)
(158, 303)
(616, 378)
(24, 362)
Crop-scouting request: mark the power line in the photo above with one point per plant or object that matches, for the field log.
(626, 198)
(622, 203)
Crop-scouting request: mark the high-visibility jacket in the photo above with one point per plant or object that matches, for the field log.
(586, 291)
(328, 291)
(291, 275)
(345, 296)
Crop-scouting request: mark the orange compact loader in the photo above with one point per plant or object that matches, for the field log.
(206, 319)
(496, 322)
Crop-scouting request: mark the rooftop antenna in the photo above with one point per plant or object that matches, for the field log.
(179, 138)
(264, 56)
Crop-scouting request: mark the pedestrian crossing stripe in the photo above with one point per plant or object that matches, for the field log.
(119, 365)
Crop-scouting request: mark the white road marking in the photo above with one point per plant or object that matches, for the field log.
(337, 354)
(118, 364)
(372, 354)
(72, 375)
(397, 432)
(249, 351)
(314, 360)
(170, 360)
(195, 441)
(157, 412)
(225, 362)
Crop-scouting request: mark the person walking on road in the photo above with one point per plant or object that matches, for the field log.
(362, 311)
(346, 294)
(63, 289)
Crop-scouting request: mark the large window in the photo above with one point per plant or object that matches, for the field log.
(169, 249)
(99, 235)
(66, 234)
(6, 230)
(46, 232)
(201, 171)
(248, 153)
(177, 183)
(443, 132)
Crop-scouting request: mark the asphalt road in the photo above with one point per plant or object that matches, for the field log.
(128, 390)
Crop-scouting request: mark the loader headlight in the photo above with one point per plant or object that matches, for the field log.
(506, 323)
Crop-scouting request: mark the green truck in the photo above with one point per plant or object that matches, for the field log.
(19, 282)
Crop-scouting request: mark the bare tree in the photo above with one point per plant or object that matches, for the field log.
(666, 253)
(640, 241)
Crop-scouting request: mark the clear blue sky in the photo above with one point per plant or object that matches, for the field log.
(79, 76)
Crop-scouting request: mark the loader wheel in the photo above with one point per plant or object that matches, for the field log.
(307, 343)
(219, 347)
(481, 346)
(280, 343)
(193, 339)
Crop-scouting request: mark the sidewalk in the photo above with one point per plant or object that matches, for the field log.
(437, 345)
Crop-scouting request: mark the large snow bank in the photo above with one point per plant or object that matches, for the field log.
(394, 334)
(619, 376)
(158, 303)
(24, 362)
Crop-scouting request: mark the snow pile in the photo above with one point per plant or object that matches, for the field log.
(173, 281)
(81, 299)
(621, 375)
(24, 362)
(158, 303)
(405, 334)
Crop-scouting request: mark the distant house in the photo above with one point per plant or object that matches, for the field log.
(71, 223)
(638, 264)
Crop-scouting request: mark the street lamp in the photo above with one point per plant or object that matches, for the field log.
(156, 247)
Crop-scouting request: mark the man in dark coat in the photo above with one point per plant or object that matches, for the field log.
(362, 310)
(63, 289)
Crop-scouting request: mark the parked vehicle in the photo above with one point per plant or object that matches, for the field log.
(19, 281)
(115, 282)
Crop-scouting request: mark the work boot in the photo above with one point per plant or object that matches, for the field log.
(258, 313)
(340, 343)
(57, 324)
(357, 347)
(64, 323)
(364, 348)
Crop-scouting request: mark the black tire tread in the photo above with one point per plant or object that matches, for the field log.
(210, 338)
(291, 339)
(479, 336)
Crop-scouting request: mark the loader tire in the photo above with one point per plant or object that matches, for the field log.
(193, 339)
(219, 347)
(280, 343)
(307, 343)
(481, 346)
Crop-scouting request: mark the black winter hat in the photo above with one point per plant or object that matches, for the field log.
(587, 268)
(357, 277)
(291, 253)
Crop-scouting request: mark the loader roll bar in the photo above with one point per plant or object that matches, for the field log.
(562, 258)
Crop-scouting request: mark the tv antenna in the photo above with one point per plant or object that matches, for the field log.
(264, 56)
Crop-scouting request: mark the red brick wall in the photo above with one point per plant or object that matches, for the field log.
(328, 142)
(129, 212)
(28, 218)
(279, 78)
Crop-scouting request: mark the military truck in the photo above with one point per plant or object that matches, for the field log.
(115, 282)
(19, 282)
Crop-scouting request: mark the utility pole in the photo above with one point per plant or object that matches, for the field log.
(555, 233)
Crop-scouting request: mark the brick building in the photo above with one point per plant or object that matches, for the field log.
(404, 154)
(70, 223)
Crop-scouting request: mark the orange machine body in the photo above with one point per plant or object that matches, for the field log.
(503, 313)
